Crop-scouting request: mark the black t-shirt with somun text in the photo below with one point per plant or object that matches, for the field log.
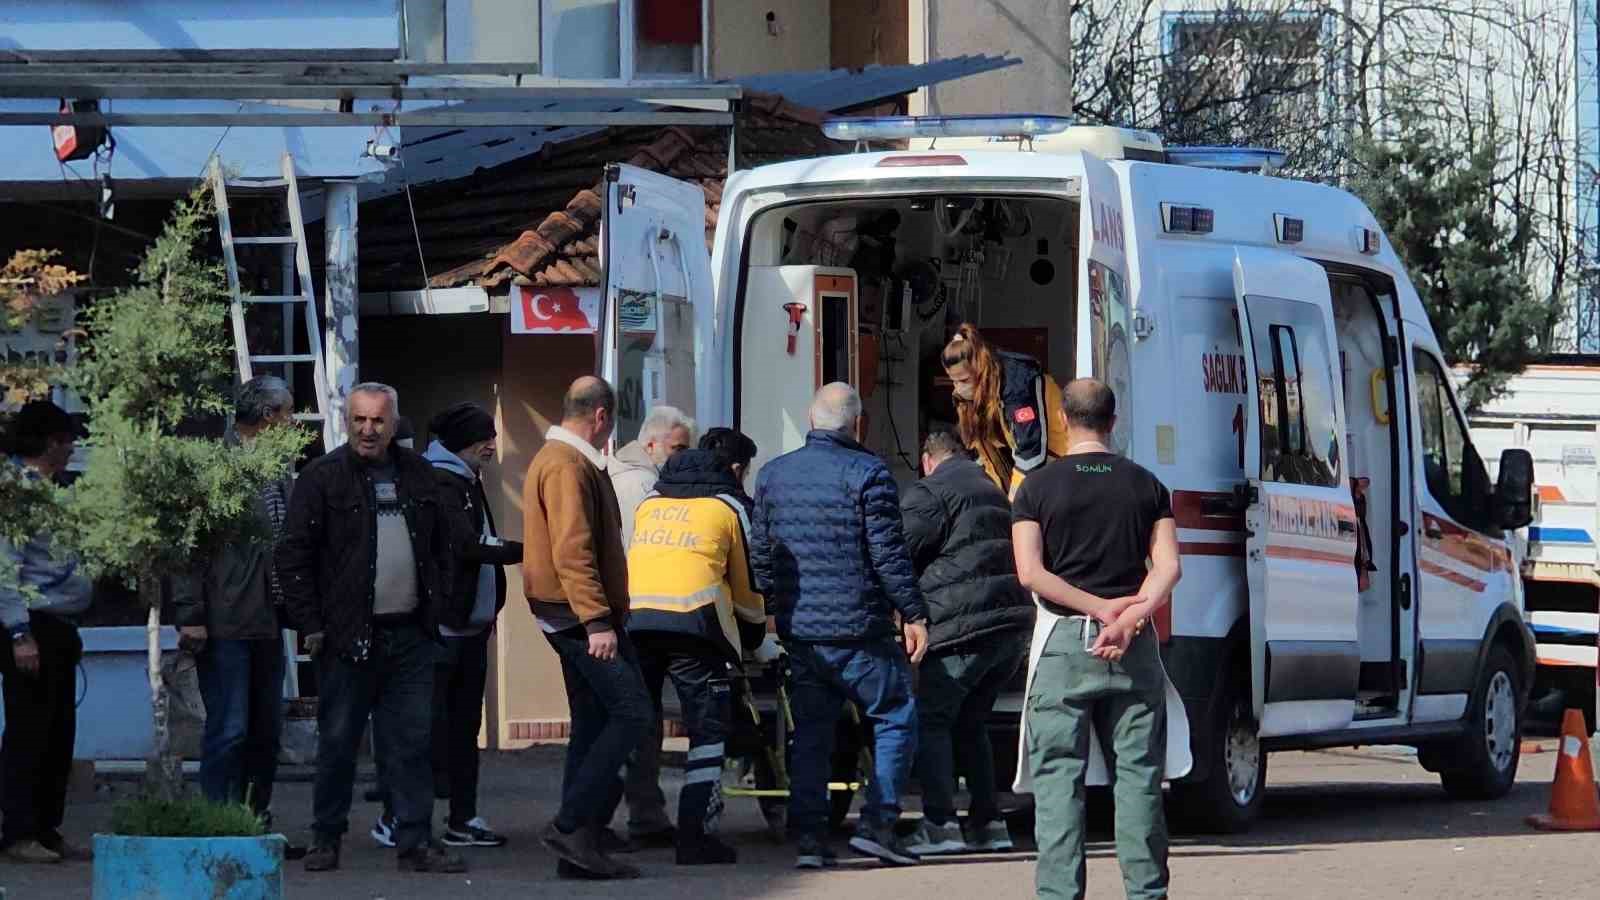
(1097, 512)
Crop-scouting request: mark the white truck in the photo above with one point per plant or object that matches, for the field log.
(1552, 409)
(1347, 573)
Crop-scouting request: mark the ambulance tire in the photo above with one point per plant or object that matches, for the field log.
(1214, 805)
(1482, 765)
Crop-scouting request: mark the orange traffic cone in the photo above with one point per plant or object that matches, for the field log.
(1574, 803)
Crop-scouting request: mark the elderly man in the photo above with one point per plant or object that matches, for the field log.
(829, 554)
(575, 576)
(1095, 542)
(230, 615)
(634, 470)
(958, 529)
(364, 567)
(637, 464)
(41, 667)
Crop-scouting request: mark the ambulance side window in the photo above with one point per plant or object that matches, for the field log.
(1455, 474)
(1299, 422)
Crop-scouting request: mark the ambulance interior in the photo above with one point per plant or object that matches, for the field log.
(1372, 438)
(868, 291)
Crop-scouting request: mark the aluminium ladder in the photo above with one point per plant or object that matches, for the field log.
(298, 292)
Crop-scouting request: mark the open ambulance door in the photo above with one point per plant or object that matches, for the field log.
(1104, 337)
(656, 307)
(1305, 651)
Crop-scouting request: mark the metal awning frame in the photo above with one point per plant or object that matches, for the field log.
(346, 81)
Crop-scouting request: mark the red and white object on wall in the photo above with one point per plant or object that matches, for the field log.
(560, 310)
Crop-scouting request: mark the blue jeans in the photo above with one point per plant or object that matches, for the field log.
(394, 686)
(611, 713)
(875, 675)
(956, 691)
(241, 683)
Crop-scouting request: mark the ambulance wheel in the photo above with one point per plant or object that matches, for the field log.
(1229, 799)
(1483, 764)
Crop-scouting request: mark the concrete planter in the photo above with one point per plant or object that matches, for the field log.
(155, 868)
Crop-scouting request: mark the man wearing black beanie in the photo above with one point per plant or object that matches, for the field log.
(463, 441)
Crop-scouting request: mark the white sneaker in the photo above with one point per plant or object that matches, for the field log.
(993, 837)
(931, 839)
(383, 831)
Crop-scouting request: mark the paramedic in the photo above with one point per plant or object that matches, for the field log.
(958, 531)
(633, 471)
(1005, 405)
(828, 550)
(1083, 531)
(694, 614)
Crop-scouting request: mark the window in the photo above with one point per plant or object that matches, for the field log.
(1455, 474)
(645, 40)
(1294, 374)
(1291, 418)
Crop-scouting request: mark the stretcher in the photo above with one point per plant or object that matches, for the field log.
(759, 742)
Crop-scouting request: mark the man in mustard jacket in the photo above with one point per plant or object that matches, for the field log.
(694, 613)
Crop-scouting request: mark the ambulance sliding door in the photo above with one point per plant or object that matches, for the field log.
(657, 299)
(1305, 647)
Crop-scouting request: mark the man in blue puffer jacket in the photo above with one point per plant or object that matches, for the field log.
(829, 553)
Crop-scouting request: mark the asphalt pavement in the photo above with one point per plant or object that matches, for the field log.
(1347, 824)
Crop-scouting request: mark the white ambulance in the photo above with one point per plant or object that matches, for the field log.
(1347, 580)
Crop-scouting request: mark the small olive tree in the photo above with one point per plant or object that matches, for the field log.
(152, 502)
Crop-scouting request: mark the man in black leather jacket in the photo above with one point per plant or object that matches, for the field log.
(364, 568)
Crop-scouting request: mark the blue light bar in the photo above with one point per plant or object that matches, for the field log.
(892, 128)
(1236, 159)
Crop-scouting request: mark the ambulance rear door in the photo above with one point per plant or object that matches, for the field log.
(1104, 330)
(657, 299)
(1305, 658)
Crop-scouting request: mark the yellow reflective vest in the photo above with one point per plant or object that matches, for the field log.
(689, 572)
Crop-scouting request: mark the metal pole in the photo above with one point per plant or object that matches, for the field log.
(341, 320)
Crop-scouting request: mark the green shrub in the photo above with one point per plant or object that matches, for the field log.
(191, 815)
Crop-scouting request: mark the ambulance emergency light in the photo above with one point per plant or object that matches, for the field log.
(1233, 159)
(894, 128)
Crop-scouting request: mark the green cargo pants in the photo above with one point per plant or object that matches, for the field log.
(1125, 701)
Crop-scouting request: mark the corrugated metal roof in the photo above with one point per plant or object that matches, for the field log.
(538, 218)
(442, 154)
(845, 88)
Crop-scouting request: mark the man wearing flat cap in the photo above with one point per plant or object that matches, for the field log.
(463, 441)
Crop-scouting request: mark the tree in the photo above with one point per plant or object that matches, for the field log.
(28, 277)
(153, 502)
(1438, 206)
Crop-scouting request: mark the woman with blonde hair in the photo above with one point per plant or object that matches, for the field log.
(1008, 408)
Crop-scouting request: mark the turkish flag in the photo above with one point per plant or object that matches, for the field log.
(553, 309)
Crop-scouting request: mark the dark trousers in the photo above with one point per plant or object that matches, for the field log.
(41, 726)
(394, 685)
(610, 714)
(458, 687)
(701, 677)
(875, 675)
(956, 691)
(241, 684)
